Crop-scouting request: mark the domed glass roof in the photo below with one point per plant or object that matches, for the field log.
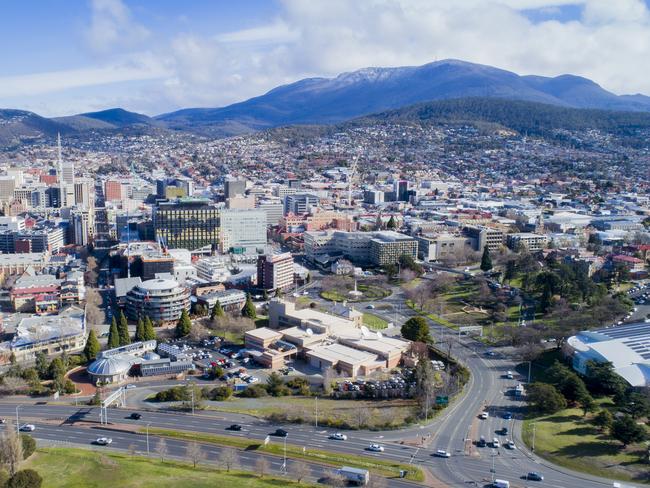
(110, 366)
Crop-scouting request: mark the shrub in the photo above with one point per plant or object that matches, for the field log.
(253, 391)
(29, 445)
(220, 393)
(27, 478)
(175, 394)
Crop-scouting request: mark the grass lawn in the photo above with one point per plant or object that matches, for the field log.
(378, 466)
(374, 322)
(368, 292)
(567, 439)
(62, 468)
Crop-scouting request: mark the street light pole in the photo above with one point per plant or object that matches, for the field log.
(530, 364)
(17, 419)
(534, 429)
(316, 422)
(192, 386)
(148, 423)
(284, 463)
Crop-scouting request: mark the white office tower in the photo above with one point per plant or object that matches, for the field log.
(66, 170)
(83, 223)
(84, 192)
(243, 231)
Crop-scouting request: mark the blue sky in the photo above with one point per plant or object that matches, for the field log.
(61, 57)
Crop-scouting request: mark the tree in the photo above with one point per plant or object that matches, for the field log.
(149, 332)
(486, 260)
(627, 431)
(603, 419)
(41, 364)
(217, 311)
(123, 330)
(602, 379)
(161, 449)
(392, 223)
(198, 332)
(425, 382)
(94, 314)
(139, 330)
(26, 478)
(416, 329)
(184, 325)
(113, 335)
(56, 369)
(300, 469)
(11, 450)
(229, 458)
(262, 466)
(249, 308)
(194, 453)
(545, 398)
(510, 271)
(92, 346)
(587, 403)
(275, 385)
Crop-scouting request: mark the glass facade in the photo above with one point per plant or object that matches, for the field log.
(187, 224)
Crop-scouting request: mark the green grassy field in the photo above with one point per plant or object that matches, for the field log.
(568, 439)
(374, 322)
(368, 292)
(79, 468)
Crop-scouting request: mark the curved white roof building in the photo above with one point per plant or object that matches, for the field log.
(627, 347)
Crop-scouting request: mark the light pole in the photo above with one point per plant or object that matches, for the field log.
(17, 419)
(148, 423)
(284, 462)
(493, 470)
(534, 429)
(316, 422)
(530, 364)
(192, 386)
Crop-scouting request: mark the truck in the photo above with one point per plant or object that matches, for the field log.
(357, 476)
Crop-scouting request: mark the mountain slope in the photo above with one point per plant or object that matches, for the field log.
(112, 118)
(370, 90)
(19, 126)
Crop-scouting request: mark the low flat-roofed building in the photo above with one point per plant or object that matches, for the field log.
(164, 366)
(627, 347)
(261, 338)
(348, 360)
(228, 299)
(11, 264)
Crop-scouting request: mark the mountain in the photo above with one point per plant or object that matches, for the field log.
(371, 90)
(19, 126)
(112, 118)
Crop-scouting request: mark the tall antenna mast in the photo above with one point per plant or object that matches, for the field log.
(59, 158)
(352, 171)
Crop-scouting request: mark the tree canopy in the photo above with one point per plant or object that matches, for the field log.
(416, 329)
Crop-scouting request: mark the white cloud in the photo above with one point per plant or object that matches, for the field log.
(112, 26)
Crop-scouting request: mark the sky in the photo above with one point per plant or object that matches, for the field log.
(62, 57)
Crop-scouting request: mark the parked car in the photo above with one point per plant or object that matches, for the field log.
(484, 415)
(442, 453)
(136, 416)
(376, 448)
(28, 427)
(281, 433)
(104, 441)
(236, 427)
(337, 436)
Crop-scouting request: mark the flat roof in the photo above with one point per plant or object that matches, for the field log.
(334, 353)
(264, 333)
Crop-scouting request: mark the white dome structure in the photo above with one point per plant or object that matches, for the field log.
(109, 369)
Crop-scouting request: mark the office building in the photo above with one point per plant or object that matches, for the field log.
(243, 231)
(113, 191)
(67, 173)
(401, 188)
(532, 242)
(485, 236)
(187, 224)
(7, 187)
(233, 187)
(373, 197)
(275, 271)
(83, 222)
(84, 192)
(274, 210)
(159, 299)
(300, 203)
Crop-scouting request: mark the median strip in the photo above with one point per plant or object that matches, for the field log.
(381, 467)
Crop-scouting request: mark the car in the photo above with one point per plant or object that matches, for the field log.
(3, 421)
(236, 427)
(130, 386)
(337, 436)
(281, 433)
(376, 448)
(507, 415)
(135, 416)
(442, 453)
(534, 476)
(483, 415)
(510, 375)
(504, 430)
(510, 445)
(103, 441)
(481, 442)
(28, 427)
(370, 307)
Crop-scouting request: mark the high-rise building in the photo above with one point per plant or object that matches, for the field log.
(7, 187)
(401, 188)
(84, 192)
(233, 187)
(67, 172)
(187, 224)
(243, 231)
(83, 223)
(113, 190)
(274, 210)
(300, 203)
(275, 271)
(373, 197)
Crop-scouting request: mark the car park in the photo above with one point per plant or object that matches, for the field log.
(534, 476)
(442, 453)
(337, 436)
(28, 427)
(376, 448)
(104, 441)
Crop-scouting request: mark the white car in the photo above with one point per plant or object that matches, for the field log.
(28, 428)
(104, 441)
(442, 453)
(338, 436)
(484, 415)
(510, 445)
(376, 448)
(495, 443)
(130, 386)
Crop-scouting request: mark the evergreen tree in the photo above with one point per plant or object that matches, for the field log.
(139, 330)
(249, 308)
(184, 325)
(416, 329)
(392, 223)
(217, 311)
(149, 333)
(486, 260)
(627, 431)
(265, 295)
(41, 364)
(113, 335)
(92, 346)
(123, 329)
